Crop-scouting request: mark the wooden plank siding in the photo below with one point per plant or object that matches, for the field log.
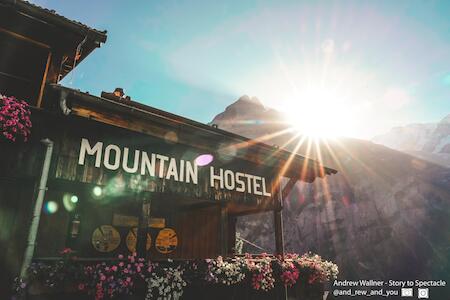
(16, 195)
(198, 233)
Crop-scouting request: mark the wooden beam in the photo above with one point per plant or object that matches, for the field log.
(141, 241)
(24, 38)
(279, 238)
(223, 230)
(288, 188)
(44, 79)
(278, 224)
(232, 220)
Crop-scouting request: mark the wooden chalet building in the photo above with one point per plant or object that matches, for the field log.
(122, 176)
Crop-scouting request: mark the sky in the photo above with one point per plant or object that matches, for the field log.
(353, 68)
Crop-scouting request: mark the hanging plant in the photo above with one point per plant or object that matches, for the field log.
(114, 279)
(289, 273)
(226, 272)
(315, 268)
(262, 273)
(15, 123)
(166, 283)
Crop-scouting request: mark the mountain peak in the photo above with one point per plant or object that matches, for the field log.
(246, 98)
(246, 112)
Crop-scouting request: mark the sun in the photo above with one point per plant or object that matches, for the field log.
(319, 113)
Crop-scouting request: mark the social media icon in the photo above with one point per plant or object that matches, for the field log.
(422, 293)
(407, 292)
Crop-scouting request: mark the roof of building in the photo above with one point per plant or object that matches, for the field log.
(52, 16)
(72, 39)
(87, 105)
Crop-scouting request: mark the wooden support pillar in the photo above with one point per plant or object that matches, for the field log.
(278, 222)
(223, 229)
(232, 234)
(141, 240)
(288, 188)
(44, 79)
(279, 239)
(279, 195)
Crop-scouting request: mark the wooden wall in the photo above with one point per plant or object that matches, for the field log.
(15, 214)
(198, 232)
(197, 223)
(197, 229)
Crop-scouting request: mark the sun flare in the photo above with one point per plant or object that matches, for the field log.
(319, 113)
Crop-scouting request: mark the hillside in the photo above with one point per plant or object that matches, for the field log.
(386, 214)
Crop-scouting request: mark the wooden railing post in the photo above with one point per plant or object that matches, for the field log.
(223, 229)
(278, 222)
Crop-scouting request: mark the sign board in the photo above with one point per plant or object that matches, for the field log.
(157, 222)
(105, 238)
(131, 240)
(166, 241)
(113, 157)
(125, 221)
(121, 160)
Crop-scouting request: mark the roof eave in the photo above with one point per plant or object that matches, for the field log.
(56, 19)
(315, 169)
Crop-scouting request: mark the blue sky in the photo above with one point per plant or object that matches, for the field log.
(368, 65)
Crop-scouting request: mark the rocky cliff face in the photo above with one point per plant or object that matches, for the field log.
(428, 141)
(386, 214)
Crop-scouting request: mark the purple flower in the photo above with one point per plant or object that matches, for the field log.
(14, 118)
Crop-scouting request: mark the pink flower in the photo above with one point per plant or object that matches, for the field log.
(66, 251)
(14, 118)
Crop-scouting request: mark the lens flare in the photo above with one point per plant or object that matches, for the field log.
(74, 199)
(70, 201)
(204, 160)
(227, 152)
(97, 191)
(51, 207)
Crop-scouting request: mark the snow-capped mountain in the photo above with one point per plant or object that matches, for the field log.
(428, 141)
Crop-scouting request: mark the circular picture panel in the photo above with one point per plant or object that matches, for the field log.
(166, 241)
(132, 240)
(105, 238)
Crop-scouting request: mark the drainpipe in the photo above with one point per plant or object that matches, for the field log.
(37, 208)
